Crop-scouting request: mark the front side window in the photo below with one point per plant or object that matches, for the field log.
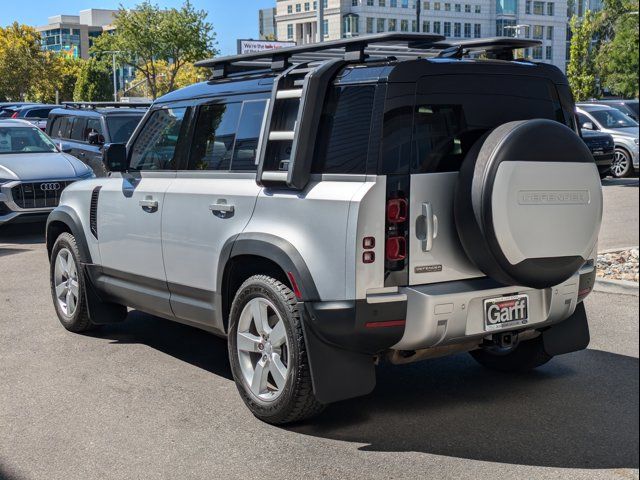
(155, 148)
(77, 130)
(24, 140)
(343, 138)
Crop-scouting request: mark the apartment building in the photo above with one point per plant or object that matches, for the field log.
(296, 20)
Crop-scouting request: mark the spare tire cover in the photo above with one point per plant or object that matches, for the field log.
(528, 203)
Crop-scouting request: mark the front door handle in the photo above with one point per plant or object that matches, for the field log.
(427, 227)
(149, 204)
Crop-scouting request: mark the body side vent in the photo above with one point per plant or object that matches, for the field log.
(93, 212)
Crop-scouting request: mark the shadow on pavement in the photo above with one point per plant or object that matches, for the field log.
(579, 411)
(23, 233)
(185, 343)
(620, 182)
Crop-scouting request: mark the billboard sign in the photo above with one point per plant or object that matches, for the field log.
(257, 46)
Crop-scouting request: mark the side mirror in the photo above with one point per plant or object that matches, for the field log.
(94, 138)
(115, 157)
(64, 148)
(588, 126)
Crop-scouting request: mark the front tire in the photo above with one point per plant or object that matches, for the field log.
(67, 285)
(267, 352)
(526, 356)
(621, 166)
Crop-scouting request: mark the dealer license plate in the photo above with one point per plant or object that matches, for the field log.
(503, 312)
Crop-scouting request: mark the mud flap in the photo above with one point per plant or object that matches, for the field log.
(337, 374)
(570, 335)
(101, 312)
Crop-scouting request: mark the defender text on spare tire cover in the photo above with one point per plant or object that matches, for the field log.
(528, 203)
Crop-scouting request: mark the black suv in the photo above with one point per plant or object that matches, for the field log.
(84, 128)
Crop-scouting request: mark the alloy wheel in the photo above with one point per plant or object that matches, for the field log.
(66, 282)
(263, 349)
(620, 165)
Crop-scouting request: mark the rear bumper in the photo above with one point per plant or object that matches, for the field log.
(436, 315)
(451, 313)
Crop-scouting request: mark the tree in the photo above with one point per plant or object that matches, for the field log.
(187, 75)
(617, 58)
(581, 69)
(150, 38)
(59, 75)
(20, 61)
(94, 83)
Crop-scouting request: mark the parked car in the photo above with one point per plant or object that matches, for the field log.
(331, 205)
(37, 114)
(84, 128)
(602, 148)
(622, 128)
(33, 172)
(628, 107)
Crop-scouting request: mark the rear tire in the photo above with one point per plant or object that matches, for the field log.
(267, 352)
(621, 166)
(526, 356)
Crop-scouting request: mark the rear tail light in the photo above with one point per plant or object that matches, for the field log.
(15, 115)
(396, 210)
(396, 240)
(396, 249)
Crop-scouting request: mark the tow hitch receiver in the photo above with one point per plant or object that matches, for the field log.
(503, 340)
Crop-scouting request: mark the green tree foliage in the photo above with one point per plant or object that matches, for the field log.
(617, 58)
(187, 75)
(94, 83)
(21, 61)
(150, 38)
(59, 75)
(581, 68)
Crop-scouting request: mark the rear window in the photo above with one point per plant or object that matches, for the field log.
(452, 112)
(121, 127)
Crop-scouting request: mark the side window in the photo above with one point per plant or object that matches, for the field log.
(214, 137)
(345, 125)
(60, 128)
(93, 125)
(246, 146)
(38, 113)
(582, 118)
(77, 130)
(155, 146)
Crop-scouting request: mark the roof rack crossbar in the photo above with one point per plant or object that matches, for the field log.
(358, 49)
(94, 105)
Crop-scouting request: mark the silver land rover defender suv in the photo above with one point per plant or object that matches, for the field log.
(330, 206)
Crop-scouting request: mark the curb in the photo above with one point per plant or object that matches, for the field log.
(620, 287)
(615, 250)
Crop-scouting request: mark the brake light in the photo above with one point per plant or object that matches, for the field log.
(396, 210)
(396, 249)
(15, 115)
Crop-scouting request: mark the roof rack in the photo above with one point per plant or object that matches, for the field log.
(401, 46)
(94, 105)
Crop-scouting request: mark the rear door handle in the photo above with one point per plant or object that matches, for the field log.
(427, 227)
(149, 204)
(222, 209)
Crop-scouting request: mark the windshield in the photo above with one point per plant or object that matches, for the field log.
(121, 128)
(612, 118)
(24, 140)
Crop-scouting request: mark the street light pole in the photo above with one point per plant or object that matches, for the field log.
(418, 2)
(113, 54)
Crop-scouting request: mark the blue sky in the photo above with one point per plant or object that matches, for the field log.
(231, 19)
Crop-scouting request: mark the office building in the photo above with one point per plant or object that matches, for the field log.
(296, 20)
(72, 35)
(267, 23)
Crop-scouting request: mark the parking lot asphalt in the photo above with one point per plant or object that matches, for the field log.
(153, 399)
